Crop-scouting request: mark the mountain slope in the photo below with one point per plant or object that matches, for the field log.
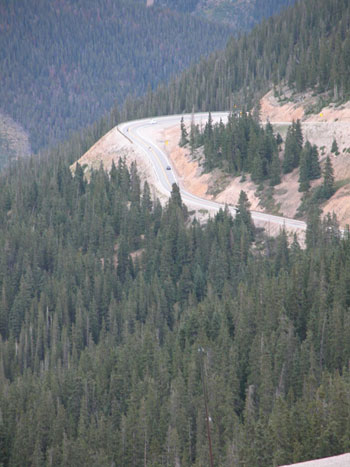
(105, 300)
(241, 14)
(307, 46)
(73, 59)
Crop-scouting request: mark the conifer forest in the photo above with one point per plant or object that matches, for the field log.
(129, 330)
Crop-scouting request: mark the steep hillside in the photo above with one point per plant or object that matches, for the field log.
(307, 46)
(120, 320)
(222, 183)
(64, 63)
(127, 330)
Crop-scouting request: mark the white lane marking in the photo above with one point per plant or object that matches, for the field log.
(172, 119)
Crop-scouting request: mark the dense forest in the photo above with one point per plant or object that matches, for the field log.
(122, 320)
(239, 147)
(74, 59)
(307, 47)
(117, 315)
(244, 146)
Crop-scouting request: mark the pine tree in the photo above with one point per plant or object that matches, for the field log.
(293, 147)
(175, 197)
(275, 170)
(313, 228)
(299, 141)
(328, 187)
(257, 169)
(184, 134)
(243, 215)
(192, 138)
(289, 152)
(314, 165)
(335, 149)
(304, 183)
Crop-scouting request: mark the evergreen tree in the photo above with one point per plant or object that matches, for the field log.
(184, 134)
(328, 187)
(304, 173)
(314, 165)
(293, 147)
(275, 170)
(335, 149)
(243, 216)
(313, 226)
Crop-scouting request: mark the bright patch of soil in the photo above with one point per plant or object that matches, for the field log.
(215, 185)
(320, 128)
(113, 146)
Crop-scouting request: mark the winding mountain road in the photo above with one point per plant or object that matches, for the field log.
(134, 131)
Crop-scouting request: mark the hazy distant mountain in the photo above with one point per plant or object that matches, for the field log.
(307, 46)
(241, 14)
(65, 62)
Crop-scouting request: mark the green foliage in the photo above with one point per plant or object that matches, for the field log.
(306, 46)
(238, 13)
(328, 188)
(241, 146)
(184, 134)
(73, 60)
(105, 299)
(106, 296)
(309, 166)
(293, 147)
(335, 149)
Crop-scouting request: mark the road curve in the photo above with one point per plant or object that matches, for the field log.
(166, 176)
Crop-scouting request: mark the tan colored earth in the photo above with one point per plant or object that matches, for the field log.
(320, 129)
(113, 146)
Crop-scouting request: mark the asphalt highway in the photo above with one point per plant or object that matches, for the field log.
(136, 132)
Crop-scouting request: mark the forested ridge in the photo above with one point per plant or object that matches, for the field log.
(240, 14)
(106, 298)
(65, 63)
(244, 146)
(307, 47)
(118, 314)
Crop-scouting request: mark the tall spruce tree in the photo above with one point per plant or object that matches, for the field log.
(184, 134)
(328, 187)
(243, 216)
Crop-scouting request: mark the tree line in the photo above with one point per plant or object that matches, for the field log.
(305, 47)
(73, 60)
(106, 297)
(242, 15)
(244, 146)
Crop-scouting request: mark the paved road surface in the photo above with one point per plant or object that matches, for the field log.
(165, 173)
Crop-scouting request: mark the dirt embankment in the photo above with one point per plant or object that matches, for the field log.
(215, 185)
(319, 128)
(110, 148)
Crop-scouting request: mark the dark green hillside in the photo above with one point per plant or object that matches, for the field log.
(65, 63)
(117, 314)
(105, 299)
(307, 46)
